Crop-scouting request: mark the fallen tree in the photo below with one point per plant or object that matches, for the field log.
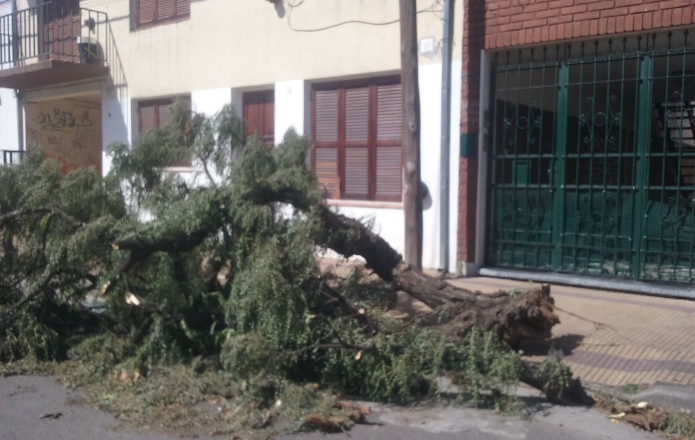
(144, 269)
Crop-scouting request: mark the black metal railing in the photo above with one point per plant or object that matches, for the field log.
(12, 156)
(55, 31)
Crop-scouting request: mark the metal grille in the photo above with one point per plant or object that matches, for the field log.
(593, 158)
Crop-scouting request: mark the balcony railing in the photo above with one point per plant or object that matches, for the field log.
(61, 33)
(12, 156)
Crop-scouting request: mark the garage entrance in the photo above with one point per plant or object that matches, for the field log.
(592, 158)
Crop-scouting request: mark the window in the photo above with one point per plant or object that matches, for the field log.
(150, 12)
(357, 130)
(156, 113)
(259, 115)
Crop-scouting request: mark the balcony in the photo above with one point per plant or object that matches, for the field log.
(12, 156)
(55, 43)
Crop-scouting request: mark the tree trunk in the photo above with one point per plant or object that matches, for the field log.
(523, 315)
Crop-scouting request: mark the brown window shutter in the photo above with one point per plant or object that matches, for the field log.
(357, 172)
(147, 117)
(389, 173)
(326, 169)
(146, 10)
(166, 9)
(389, 120)
(357, 114)
(389, 151)
(326, 108)
(183, 7)
(164, 113)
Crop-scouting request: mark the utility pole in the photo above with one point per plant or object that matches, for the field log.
(412, 202)
(445, 145)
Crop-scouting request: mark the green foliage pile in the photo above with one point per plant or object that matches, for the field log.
(223, 297)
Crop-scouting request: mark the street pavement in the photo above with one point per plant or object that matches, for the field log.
(24, 399)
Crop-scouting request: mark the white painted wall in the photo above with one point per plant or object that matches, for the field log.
(9, 135)
(292, 108)
(209, 102)
(116, 123)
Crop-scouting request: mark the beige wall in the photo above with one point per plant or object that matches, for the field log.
(245, 43)
(68, 130)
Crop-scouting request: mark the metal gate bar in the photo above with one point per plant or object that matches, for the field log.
(592, 160)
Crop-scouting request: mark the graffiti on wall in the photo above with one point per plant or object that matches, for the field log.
(68, 131)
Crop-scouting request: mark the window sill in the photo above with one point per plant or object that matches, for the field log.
(364, 204)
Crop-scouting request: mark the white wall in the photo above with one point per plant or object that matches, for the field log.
(209, 102)
(292, 108)
(9, 134)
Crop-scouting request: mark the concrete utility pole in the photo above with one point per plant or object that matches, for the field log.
(412, 202)
(445, 137)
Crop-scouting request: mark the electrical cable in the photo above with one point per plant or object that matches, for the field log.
(292, 5)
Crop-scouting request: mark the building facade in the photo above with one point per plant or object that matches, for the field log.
(578, 155)
(89, 73)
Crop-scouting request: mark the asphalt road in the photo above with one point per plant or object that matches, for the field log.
(24, 399)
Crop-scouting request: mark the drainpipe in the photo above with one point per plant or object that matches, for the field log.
(445, 147)
(17, 95)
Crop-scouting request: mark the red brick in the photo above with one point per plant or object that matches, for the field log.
(537, 35)
(560, 32)
(610, 25)
(656, 19)
(516, 10)
(581, 2)
(693, 16)
(585, 29)
(647, 7)
(560, 4)
(647, 20)
(515, 39)
(507, 39)
(687, 15)
(622, 3)
(615, 12)
(536, 7)
(674, 4)
(529, 36)
(620, 24)
(573, 10)
(602, 27)
(508, 27)
(523, 17)
(601, 6)
(638, 22)
(593, 28)
(544, 34)
(547, 13)
(560, 19)
(568, 30)
(498, 21)
(666, 18)
(576, 29)
(587, 16)
(535, 23)
(677, 17)
(629, 23)
(552, 33)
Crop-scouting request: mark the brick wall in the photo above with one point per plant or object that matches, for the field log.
(473, 40)
(517, 22)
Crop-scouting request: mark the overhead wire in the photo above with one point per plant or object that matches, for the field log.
(291, 5)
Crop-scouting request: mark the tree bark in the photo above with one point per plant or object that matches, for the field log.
(523, 315)
(412, 201)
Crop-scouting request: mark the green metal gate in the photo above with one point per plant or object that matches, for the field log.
(592, 157)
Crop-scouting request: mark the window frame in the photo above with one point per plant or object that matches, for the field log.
(342, 144)
(135, 14)
(158, 102)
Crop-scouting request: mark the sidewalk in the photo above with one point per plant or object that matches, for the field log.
(614, 338)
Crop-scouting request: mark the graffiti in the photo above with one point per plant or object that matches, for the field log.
(60, 120)
(55, 140)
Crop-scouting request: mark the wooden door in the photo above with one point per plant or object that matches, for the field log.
(259, 115)
(61, 29)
